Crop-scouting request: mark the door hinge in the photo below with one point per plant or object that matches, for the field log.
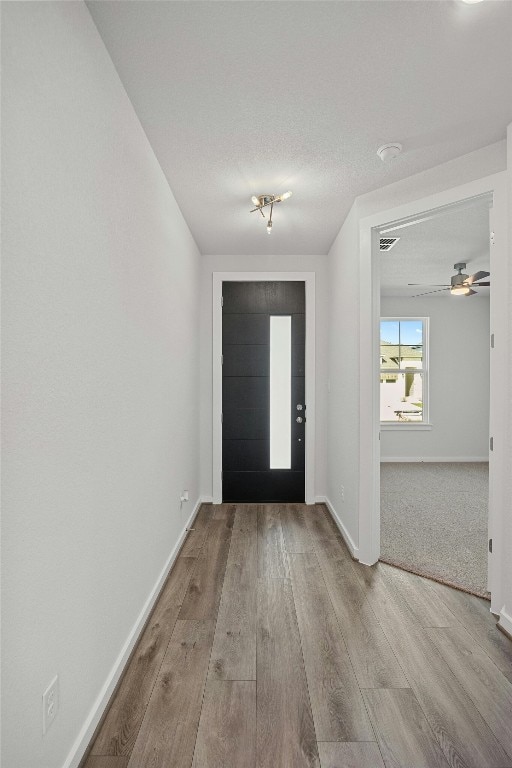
(221, 418)
(490, 545)
(492, 238)
(491, 443)
(222, 301)
(222, 359)
(492, 340)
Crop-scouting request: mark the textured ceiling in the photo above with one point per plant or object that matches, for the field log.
(250, 97)
(427, 251)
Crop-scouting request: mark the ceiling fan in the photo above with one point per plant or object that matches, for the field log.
(461, 284)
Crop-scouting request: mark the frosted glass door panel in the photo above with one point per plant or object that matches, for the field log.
(280, 391)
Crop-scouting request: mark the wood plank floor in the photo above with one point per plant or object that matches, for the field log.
(270, 647)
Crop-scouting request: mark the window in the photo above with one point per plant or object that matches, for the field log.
(404, 370)
(280, 392)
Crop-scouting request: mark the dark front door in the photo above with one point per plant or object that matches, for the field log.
(263, 409)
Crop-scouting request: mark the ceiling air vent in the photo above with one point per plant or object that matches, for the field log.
(386, 243)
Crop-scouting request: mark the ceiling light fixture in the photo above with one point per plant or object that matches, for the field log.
(460, 290)
(262, 201)
(459, 285)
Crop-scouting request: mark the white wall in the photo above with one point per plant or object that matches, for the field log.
(101, 335)
(211, 264)
(344, 325)
(506, 533)
(459, 380)
(343, 376)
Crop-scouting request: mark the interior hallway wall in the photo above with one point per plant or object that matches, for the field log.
(343, 376)
(459, 378)
(344, 321)
(100, 368)
(506, 575)
(211, 264)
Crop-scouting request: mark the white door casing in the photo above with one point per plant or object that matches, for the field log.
(369, 458)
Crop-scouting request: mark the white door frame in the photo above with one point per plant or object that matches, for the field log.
(308, 278)
(369, 487)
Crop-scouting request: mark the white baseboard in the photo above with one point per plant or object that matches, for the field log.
(505, 622)
(206, 500)
(449, 459)
(77, 752)
(353, 549)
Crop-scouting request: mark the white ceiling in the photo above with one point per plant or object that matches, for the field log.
(427, 251)
(251, 97)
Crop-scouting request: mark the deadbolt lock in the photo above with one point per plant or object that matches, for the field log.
(299, 407)
(299, 419)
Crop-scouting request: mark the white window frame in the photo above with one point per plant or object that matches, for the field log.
(411, 426)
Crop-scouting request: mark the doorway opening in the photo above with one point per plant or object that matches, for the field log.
(434, 393)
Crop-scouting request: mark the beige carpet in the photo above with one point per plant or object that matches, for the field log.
(434, 521)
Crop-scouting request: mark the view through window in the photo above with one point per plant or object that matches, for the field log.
(403, 370)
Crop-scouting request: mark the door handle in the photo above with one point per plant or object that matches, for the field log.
(299, 419)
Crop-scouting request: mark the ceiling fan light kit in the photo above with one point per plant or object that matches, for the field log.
(262, 201)
(460, 290)
(459, 286)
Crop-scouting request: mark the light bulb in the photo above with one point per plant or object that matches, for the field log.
(286, 195)
(460, 290)
(255, 200)
(269, 227)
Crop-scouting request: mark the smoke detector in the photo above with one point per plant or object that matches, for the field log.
(389, 151)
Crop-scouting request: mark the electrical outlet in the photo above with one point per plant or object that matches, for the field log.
(184, 496)
(342, 491)
(50, 703)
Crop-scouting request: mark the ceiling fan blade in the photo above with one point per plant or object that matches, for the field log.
(479, 285)
(470, 292)
(429, 292)
(477, 276)
(432, 285)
